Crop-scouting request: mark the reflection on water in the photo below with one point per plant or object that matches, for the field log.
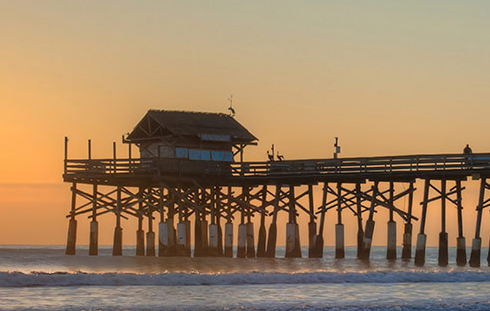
(53, 260)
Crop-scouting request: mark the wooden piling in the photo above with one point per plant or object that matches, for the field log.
(140, 234)
(339, 227)
(369, 230)
(242, 241)
(293, 247)
(391, 234)
(213, 227)
(261, 243)
(93, 246)
(443, 238)
(422, 238)
(312, 223)
(229, 239)
(360, 230)
(250, 240)
(117, 244)
(476, 245)
(72, 225)
(461, 241)
(72, 237)
(272, 237)
(318, 248)
(408, 228)
(150, 236)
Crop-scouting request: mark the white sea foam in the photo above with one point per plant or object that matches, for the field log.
(19, 279)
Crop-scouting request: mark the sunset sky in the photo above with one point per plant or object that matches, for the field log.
(387, 77)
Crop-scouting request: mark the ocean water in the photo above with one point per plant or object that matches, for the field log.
(43, 278)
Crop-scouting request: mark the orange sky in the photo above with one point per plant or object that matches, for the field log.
(387, 77)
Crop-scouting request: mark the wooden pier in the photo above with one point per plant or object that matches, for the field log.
(191, 173)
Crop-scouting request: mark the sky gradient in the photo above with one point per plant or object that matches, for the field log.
(387, 77)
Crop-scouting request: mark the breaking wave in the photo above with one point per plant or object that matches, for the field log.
(33, 279)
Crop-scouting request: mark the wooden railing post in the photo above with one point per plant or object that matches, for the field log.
(114, 155)
(66, 155)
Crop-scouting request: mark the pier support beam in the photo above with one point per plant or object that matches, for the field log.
(461, 241)
(391, 242)
(214, 226)
(204, 239)
(312, 223)
(229, 239)
(150, 236)
(150, 243)
(163, 239)
(271, 241)
(360, 230)
(476, 245)
(183, 239)
(461, 251)
(422, 238)
(368, 232)
(242, 240)
(408, 228)
(443, 238)
(140, 234)
(117, 243)
(391, 234)
(407, 241)
(198, 238)
(293, 247)
(339, 227)
(339, 241)
(93, 243)
(272, 237)
(72, 237)
(318, 247)
(71, 240)
(250, 240)
(213, 240)
(261, 243)
(93, 248)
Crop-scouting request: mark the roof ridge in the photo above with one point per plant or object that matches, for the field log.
(191, 112)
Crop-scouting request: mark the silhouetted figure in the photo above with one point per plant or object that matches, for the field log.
(280, 157)
(467, 149)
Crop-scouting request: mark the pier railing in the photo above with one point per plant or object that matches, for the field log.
(367, 165)
(356, 166)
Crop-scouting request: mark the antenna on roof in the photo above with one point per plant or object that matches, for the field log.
(232, 111)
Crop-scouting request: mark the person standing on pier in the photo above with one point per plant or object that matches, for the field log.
(467, 149)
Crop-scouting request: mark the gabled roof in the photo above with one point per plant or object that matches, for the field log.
(193, 124)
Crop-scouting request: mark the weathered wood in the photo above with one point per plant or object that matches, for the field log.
(476, 245)
(408, 228)
(443, 238)
(422, 238)
(261, 244)
(72, 226)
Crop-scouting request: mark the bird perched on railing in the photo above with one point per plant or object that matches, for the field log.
(270, 156)
(280, 157)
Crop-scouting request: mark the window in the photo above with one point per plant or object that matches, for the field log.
(181, 153)
(223, 156)
(205, 155)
